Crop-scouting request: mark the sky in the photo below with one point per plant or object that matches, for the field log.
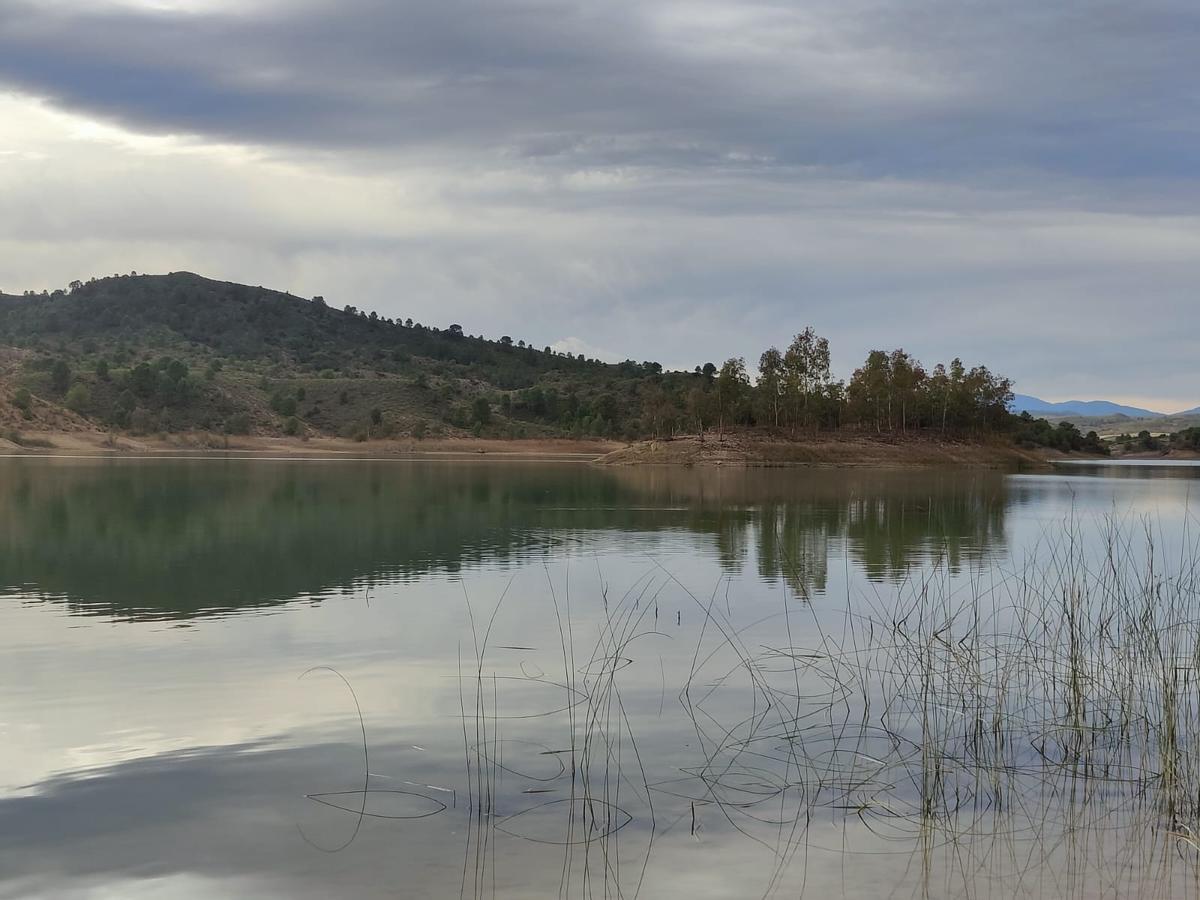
(1013, 183)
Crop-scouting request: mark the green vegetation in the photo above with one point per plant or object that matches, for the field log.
(181, 353)
(1066, 437)
(23, 402)
(1186, 440)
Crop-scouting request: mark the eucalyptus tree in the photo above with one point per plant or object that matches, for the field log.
(731, 387)
(805, 372)
(770, 382)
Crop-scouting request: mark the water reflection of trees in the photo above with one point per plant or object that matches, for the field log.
(183, 538)
(797, 520)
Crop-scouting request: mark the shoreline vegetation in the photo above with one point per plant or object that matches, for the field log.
(143, 363)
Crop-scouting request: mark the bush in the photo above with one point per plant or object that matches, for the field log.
(481, 411)
(418, 429)
(23, 401)
(79, 398)
(283, 404)
(238, 423)
(291, 427)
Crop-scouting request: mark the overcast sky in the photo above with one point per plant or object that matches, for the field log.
(681, 180)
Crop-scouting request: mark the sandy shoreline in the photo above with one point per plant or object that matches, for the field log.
(101, 445)
(823, 451)
(831, 451)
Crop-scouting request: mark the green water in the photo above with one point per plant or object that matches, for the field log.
(571, 680)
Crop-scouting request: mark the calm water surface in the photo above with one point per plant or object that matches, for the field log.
(437, 679)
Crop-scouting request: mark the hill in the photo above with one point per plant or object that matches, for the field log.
(175, 352)
(1095, 409)
(158, 354)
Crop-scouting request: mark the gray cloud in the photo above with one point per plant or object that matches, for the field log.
(872, 88)
(1013, 182)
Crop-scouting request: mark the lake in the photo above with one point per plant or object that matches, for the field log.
(397, 678)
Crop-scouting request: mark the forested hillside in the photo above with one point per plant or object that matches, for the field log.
(178, 352)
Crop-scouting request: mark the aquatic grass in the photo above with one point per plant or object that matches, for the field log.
(1029, 730)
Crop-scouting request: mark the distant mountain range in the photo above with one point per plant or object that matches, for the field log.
(1098, 408)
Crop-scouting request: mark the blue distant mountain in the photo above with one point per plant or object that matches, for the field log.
(1036, 406)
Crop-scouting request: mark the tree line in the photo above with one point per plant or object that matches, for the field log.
(128, 353)
(793, 392)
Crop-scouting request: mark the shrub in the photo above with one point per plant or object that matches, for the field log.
(481, 411)
(238, 423)
(79, 398)
(283, 404)
(23, 401)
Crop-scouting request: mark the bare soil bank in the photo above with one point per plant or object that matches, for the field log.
(732, 450)
(94, 443)
(829, 450)
(1159, 454)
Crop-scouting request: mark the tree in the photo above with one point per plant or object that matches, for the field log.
(731, 387)
(805, 372)
(907, 378)
(700, 408)
(657, 408)
(481, 411)
(142, 380)
(60, 376)
(869, 387)
(770, 382)
(123, 410)
(102, 370)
